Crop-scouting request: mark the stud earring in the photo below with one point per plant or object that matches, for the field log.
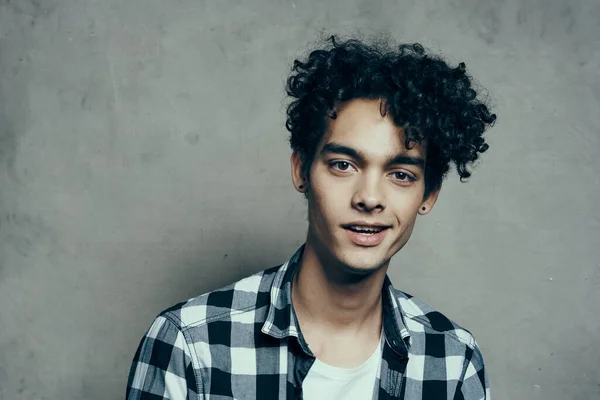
(424, 208)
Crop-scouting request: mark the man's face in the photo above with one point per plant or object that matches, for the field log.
(363, 175)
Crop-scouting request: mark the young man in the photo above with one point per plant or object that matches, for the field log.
(373, 131)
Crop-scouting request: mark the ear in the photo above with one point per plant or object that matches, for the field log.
(298, 172)
(428, 203)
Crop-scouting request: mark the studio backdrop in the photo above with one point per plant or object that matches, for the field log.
(144, 160)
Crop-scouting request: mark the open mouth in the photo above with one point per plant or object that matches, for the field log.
(365, 230)
(366, 235)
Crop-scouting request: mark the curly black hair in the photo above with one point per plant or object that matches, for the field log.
(424, 95)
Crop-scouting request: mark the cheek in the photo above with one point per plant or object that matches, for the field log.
(408, 227)
(319, 209)
(407, 213)
(316, 213)
(325, 206)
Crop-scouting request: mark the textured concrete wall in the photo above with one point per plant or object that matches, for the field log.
(144, 161)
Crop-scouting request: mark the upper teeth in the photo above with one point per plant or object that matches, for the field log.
(363, 228)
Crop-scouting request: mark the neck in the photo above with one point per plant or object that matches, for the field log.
(328, 295)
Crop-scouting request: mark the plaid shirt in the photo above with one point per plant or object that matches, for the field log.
(244, 342)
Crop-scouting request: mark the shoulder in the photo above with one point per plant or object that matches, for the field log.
(422, 318)
(246, 295)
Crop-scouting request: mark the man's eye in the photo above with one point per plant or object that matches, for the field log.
(341, 165)
(402, 176)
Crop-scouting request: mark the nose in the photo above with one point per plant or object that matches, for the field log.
(369, 194)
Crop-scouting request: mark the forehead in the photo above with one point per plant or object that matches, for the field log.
(360, 125)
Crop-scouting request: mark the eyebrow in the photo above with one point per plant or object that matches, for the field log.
(359, 156)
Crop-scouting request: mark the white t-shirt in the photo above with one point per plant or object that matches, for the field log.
(324, 381)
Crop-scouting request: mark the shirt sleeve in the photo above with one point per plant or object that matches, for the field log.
(161, 367)
(474, 385)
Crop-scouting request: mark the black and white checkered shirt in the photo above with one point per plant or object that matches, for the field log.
(243, 342)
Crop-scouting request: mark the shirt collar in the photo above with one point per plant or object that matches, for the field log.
(397, 334)
(281, 319)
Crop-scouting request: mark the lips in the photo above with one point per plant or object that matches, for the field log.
(365, 229)
(364, 234)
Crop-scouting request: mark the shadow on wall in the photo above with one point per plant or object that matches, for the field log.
(11, 128)
(23, 17)
(216, 261)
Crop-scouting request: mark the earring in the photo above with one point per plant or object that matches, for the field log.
(424, 208)
(301, 187)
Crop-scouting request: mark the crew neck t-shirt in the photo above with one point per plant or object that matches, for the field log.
(324, 381)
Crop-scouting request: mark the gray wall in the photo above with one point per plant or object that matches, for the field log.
(144, 161)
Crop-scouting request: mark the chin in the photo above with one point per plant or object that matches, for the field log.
(353, 259)
(362, 264)
(361, 270)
